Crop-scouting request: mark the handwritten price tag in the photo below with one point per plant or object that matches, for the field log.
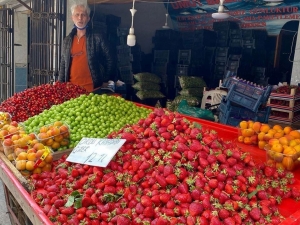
(95, 151)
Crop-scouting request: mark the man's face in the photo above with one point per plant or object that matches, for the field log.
(80, 17)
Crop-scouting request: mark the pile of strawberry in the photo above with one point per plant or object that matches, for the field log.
(169, 171)
(35, 100)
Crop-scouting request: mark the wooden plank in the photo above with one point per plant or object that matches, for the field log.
(16, 172)
(31, 209)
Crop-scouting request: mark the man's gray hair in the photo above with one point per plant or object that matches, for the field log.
(82, 5)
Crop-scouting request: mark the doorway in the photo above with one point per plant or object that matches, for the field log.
(286, 44)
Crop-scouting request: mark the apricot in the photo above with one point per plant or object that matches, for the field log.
(277, 148)
(284, 141)
(287, 129)
(265, 128)
(38, 146)
(243, 124)
(256, 126)
(21, 164)
(295, 134)
(273, 141)
(247, 132)
(278, 134)
(268, 136)
(277, 127)
(261, 144)
(260, 136)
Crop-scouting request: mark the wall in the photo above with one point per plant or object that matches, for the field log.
(148, 18)
(20, 52)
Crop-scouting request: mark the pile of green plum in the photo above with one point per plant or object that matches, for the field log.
(93, 116)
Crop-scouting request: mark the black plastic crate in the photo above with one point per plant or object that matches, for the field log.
(234, 57)
(182, 70)
(122, 31)
(221, 63)
(225, 25)
(222, 43)
(123, 50)
(233, 63)
(220, 68)
(161, 56)
(159, 68)
(113, 20)
(220, 59)
(184, 56)
(167, 34)
(126, 74)
(236, 42)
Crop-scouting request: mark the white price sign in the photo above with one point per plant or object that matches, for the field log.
(95, 151)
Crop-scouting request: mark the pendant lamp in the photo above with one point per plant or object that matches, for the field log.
(167, 15)
(131, 40)
(220, 15)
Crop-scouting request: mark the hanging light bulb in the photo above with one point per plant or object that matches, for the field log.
(167, 15)
(131, 40)
(220, 15)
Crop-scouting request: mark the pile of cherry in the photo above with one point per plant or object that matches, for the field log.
(32, 101)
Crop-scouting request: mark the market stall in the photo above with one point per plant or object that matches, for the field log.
(20, 193)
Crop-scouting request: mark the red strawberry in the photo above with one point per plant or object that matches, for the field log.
(167, 170)
(265, 210)
(203, 163)
(128, 136)
(123, 220)
(172, 179)
(183, 188)
(195, 146)
(164, 197)
(229, 189)
(229, 221)
(86, 201)
(211, 159)
(145, 165)
(166, 135)
(146, 201)
(149, 212)
(262, 195)
(255, 214)
(195, 209)
(161, 181)
(213, 183)
(221, 158)
(181, 147)
(67, 211)
(223, 214)
(196, 133)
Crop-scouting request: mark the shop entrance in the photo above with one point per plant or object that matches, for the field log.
(286, 44)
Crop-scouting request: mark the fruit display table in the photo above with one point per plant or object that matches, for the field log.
(15, 186)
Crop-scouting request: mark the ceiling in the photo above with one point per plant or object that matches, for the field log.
(90, 2)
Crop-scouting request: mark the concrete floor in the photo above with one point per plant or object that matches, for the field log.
(4, 218)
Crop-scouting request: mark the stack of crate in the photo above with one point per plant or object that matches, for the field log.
(124, 63)
(285, 106)
(221, 56)
(182, 68)
(233, 63)
(244, 101)
(235, 38)
(222, 28)
(160, 64)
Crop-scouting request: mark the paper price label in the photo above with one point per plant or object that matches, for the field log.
(95, 151)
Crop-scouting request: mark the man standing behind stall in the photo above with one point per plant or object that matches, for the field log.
(86, 58)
